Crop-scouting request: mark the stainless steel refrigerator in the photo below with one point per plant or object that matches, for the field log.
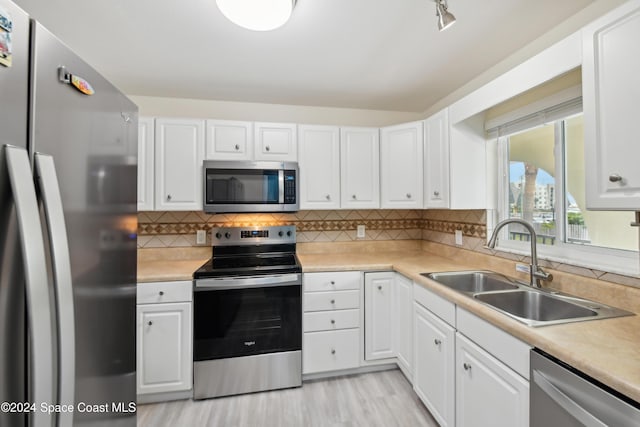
(68, 165)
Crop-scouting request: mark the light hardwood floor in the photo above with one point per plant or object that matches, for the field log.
(375, 399)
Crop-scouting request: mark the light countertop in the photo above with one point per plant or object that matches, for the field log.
(608, 349)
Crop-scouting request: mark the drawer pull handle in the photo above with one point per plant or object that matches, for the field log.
(150, 323)
(168, 196)
(267, 148)
(615, 178)
(408, 195)
(436, 193)
(161, 293)
(237, 147)
(333, 322)
(353, 197)
(333, 283)
(333, 351)
(328, 196)
(466, 366)
(380, 287)
(437, 341)
(333, 301)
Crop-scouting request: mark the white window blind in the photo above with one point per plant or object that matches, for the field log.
(498, 128)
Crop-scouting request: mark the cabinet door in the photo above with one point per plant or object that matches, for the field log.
(228, 140)
(434, 369)
(401, 149)
(145, 164)
(403, 324)
(276, 142)
(164, 357)
(436, 161)
(319, 161)
(359, 168)
(610, 98)
(378, 320)
(488, 393)
(179, 156)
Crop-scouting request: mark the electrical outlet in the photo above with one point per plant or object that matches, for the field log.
(201, 237)
(458, 235)
(360, 232)
(522, 268)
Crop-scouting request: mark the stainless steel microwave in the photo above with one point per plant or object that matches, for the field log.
(238, 186)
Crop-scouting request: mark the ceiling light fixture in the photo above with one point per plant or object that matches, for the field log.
(257, 15)
(445, 18)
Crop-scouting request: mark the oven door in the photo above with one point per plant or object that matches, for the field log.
(247, 316)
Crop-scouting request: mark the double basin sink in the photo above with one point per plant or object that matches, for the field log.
(531, 306)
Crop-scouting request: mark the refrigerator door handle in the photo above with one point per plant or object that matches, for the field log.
(35, 269)
(49, 192)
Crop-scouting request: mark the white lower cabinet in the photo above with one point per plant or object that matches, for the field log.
(331, 321)
(378, 315)
(164, 337)
(403, 324)
(433, 371)
(488, 393)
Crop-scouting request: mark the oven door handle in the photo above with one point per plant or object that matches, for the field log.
(226, 283)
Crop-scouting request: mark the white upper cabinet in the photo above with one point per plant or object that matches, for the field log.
(611, 90)
(359, 168)
(319, 162)
(229, 140)
(145, 164)
(275, 142)
(179, 156)
(401, 159)
(436, 161)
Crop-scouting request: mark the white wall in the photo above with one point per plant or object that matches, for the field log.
(227, 110)
(568, 27)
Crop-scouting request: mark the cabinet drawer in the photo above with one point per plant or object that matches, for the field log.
(330, 351)
(340, 300)
(331, 320)
(331, 281)
(162, 292)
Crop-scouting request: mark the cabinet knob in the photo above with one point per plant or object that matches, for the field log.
(168, 196)
(237, 147)
(333, 322)
(615, 177)
(150, 323)
(333, 282)
(466, 366)
(161, 293)
(328, 196)
(353, 197)
(333, 301)
(267, 148)
(379, 287)
(436, 193)
(333, 351)
(408, 195)
(437, 341)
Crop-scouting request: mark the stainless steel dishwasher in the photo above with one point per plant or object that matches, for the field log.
(563, 396)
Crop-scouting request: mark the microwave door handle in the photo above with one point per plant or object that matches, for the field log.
(564, 401)
(49, 191)
(41, 380)
(281, 186)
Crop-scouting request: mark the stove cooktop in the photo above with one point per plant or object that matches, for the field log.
(253, 265)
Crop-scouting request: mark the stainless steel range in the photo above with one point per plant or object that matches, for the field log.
(248, 313)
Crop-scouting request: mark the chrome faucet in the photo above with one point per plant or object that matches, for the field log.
(536, 273)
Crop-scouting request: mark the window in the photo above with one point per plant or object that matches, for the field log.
(542, 180)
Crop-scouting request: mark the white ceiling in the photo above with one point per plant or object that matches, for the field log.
(374, 54)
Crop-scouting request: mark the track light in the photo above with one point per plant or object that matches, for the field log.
(445, 18)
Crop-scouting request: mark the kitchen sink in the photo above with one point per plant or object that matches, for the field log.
(473, 282)
(531, 306)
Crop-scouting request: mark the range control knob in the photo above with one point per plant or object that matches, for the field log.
(227, 235)
(289, 233)
(280, 233)
(218, 235)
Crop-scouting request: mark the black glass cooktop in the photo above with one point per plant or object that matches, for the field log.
(248, 265)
